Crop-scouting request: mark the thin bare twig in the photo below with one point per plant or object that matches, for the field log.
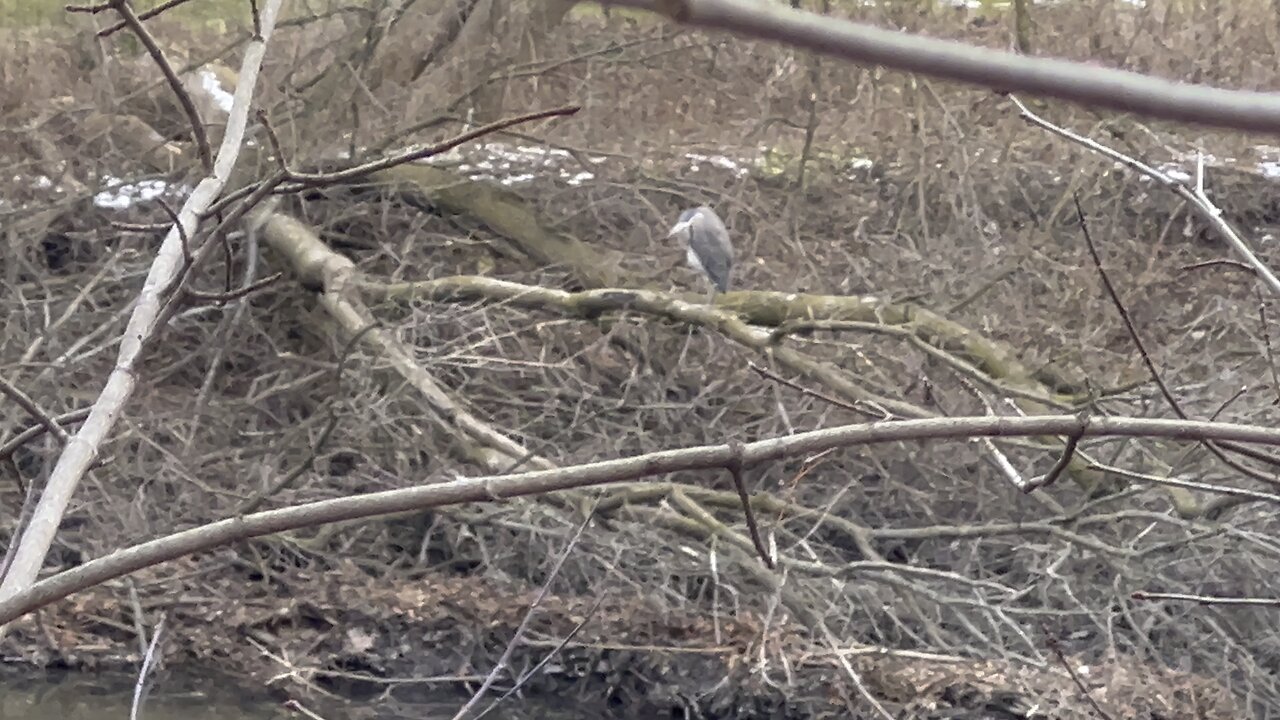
(304, 180)
(1221, 262)
(853, 675)
(560, 646)
(505, 660)
(1124, 313)
(1150, 363)
(293, 704)
(226, 297)
(35, 431)
(257, 19)
(140, 227)
(182, 231)
(144, 15)
(274, 141)
(148, 662)
(24, 513)
(94, 9)
(219, 235)
(1233, 492)
(879, 412)
(1206, 599)
(1064, 460)
(257, 499)
(33, 409)
(1002, 462)
(1056, 649)
(735, 472)
(1266, 339)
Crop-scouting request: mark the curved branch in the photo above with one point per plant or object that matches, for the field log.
(479, 489)
(1001, 71)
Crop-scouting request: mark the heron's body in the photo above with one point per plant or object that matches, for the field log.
(707, 246)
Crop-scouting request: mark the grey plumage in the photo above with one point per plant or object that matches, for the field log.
(707, 245)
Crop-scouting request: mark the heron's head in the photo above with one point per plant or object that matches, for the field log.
(684, 224)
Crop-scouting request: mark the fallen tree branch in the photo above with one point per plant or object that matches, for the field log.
(334, 275)
(738, 315)
(479, 489)
(769, 309)
(593, 303)
(506, 214)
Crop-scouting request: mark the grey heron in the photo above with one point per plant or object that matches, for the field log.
(707, 246)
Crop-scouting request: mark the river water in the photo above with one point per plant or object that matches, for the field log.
(60, 695)
(31, 694)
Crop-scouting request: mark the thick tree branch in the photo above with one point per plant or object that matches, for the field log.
(1002, 71)
(479, 489)
(738, 317)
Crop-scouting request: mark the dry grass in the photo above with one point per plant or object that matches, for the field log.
(961, 193)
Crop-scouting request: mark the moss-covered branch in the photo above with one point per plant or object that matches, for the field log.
(506, 214)
(332, 274)
(742, 317)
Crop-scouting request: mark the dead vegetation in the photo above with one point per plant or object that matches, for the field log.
(943, 579)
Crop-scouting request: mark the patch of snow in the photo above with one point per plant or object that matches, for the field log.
(221, 98)
(541, 151)
(720, 161)
(122, 197)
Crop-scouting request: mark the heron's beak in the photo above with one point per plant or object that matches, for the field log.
(679, 227)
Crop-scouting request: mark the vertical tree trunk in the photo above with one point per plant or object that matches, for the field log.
(1022, 25)
(488, 37)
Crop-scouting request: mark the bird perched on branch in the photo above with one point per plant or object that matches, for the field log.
(707, 246)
